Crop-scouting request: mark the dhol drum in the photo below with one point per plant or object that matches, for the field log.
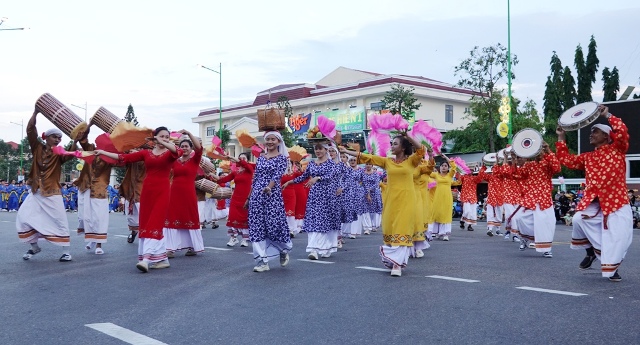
(61, 116)
(105, 120)
(579, 116)
(206, 165)
(490, 159)
(500, 154)
(212, 188)
(527, 143)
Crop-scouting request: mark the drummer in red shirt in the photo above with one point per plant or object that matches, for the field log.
(603, 224)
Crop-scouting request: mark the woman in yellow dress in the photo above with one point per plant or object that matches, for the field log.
(443, 200)
(420, 180)
(397, 219)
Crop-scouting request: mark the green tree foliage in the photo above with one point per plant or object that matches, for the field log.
(611, 84)
(474, 137)
(225, 137)
(400, 100)
(592, 62)
(481, 72)
(568, 89)
(584, 85)
(130, 116)
(287, 136)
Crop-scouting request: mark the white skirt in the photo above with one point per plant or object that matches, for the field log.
(322, 243)
(133, 217)
(440, 229)
(179, 239)
(371, 221)
(95, 219)
(202, 213)
(220, 214)
(293, 224)
(43, 217)
(494, 216)
(264, 250)
(395, 255)
(508, 210)
(537, 225)
(209, 207)
(470, 213)
(151, 250)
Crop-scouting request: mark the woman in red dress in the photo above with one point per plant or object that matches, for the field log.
(237, 222)
(182, 224)
(302, 193)
(154, 199)
(290, 200)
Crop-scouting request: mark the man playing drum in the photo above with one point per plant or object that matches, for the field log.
(603, 224)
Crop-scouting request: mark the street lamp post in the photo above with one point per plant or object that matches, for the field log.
(509, 70)
(219, 71)
(84, 108)
(21, 124)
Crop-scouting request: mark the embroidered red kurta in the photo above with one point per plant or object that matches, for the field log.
(183, 205)
(605, 169)
(495, 195)
(469, 188)
(156, 189)
(511, 188)
(535, 177)
(238, 215)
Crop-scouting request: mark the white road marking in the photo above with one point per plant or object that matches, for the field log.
(316, 261)
(124, 334)
(455, 279)
(559, 292)
(125, 236)
(221, 249)
(374, 268)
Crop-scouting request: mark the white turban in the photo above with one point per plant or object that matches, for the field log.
(602, 127)
(53, 131)
(282, 148)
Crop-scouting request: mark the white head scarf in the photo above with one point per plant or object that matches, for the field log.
(604, 128)
(332, 146)
(282, 148)
(53, 131)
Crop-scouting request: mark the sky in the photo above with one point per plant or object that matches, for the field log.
(145, 53)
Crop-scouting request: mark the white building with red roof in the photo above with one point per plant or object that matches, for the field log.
(344, 94)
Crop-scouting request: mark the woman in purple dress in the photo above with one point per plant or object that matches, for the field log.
(321, 221)
(372, 199)
(350, 198)
(268, 229)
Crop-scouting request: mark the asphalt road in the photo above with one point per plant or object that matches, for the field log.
(215, 298)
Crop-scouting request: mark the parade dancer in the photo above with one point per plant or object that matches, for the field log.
(420, 180)
(4, 196)
(398, 219)
(182, 225)
(42, 214)
(268, 229)
(131, 188)
(289, 196)
(372, 216)
(156, 189)
(13, 197)
(237, 222)
(351, 197)
(537, 221)
(495, 197)
(512, 194)
(320, 220)
(603, 223)
(302, 193)
(93, 200)
(442, 199)
(469, 200)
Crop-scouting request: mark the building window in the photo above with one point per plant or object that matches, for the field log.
(634, 168)
(448, 113)
(377, 106)
(211, 131)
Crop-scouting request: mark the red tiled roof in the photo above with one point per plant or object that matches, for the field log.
(281, 86)
(13, 145)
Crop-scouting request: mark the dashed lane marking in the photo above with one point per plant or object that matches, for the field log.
(124, 334)
(558, 292)
(220, 249)
(125, 236)
(374, 269)
(455, 279)
(317, 261)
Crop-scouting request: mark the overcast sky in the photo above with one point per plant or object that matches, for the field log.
(145, 52)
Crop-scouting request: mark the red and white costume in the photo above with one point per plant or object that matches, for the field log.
(495, 196)
(608, 226)
(469, 199)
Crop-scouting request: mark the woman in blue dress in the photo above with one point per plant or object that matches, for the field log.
(372, 199)
(321, 220)
(268, 229)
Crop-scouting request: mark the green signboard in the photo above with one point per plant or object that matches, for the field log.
(347, 120)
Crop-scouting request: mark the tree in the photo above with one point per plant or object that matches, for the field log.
(611, 84)
(225, 136)
(481, 72)
(130, 116)
(568, 89)
(584, 85)
(553, 95)
(474, 137)
(400, 100)
(592, 63)
(287, 136)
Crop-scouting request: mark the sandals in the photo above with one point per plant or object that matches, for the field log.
(132, 236)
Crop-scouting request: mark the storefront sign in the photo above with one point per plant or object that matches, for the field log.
(347, 120)
(299, 123)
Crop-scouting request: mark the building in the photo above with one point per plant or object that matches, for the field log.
(345, 95)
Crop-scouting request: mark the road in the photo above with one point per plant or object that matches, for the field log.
(215, 298)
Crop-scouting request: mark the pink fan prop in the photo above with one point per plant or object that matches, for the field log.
(327, 127)
(379, 143)
(387, 123)
(427, 135)
(461, 166)
(256, 150)
(85, 156)
(432, 184)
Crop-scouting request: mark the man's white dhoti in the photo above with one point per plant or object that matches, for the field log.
(43, 217)
(494, 217)
(470, 213)
(537, 225)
